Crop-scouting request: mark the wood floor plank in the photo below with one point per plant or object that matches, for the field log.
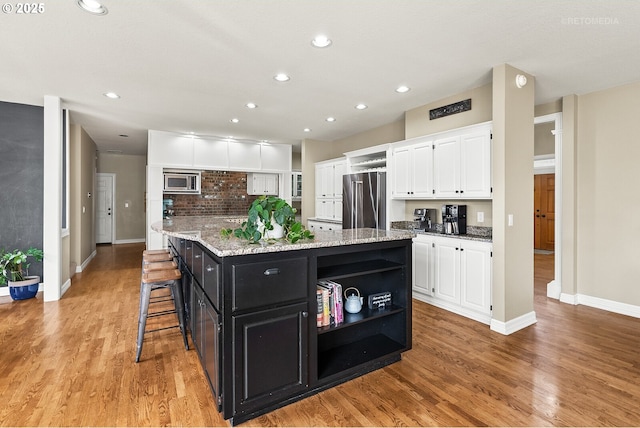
(71, 363)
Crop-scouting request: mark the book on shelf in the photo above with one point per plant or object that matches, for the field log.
(334, 301)
(320, 307)
(325, 310)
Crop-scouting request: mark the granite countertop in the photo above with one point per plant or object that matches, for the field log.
(474, 233)
(206, 230)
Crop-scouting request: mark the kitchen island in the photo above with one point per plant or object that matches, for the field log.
(252, 310)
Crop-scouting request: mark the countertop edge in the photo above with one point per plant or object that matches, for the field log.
(328, 239)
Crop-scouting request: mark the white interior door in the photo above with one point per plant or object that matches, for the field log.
(104, 208)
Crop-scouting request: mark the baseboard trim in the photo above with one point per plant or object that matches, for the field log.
(65, 287)
(554, 290)
(571, 299)
(609, 305)
(84, 264)
(129, 241)
(482, 318)
(515, 324)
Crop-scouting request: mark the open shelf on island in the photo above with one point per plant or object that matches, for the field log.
(347, 356)
(364, 315)
(357, 268)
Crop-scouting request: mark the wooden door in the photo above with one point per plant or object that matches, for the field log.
(544, 215)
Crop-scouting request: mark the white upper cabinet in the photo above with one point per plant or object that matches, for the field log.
(262, 184)
(275, 157)
(446, 167)
(450, 165)
(329, 178)
(243, 156)
(329, 188)
(462, 164)
(412, 169)
(169, 149)
(475, 164)
(339, 169)
(210, 154)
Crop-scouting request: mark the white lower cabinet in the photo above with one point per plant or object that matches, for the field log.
(453, 274)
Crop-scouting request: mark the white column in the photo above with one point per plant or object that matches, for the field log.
(52, 241)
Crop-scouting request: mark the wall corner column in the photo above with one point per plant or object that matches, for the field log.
(568, 269)
(512, 152)
(52, 239)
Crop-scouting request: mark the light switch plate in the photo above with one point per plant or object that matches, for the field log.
(480, 217)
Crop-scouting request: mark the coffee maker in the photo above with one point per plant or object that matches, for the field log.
(424, 217)
(454, 219)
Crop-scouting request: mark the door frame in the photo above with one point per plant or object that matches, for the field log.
(554, 288)
(113, 204)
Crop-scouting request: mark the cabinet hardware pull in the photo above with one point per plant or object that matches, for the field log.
(197, 256)
(305, 314)
(209, 268)
(272, 271)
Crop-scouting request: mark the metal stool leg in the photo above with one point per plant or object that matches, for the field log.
(145, 295)
(176, 289)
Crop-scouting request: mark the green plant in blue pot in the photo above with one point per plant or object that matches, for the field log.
(14, 272)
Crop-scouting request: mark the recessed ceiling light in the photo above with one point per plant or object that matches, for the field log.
(402, 89)
(307, 129)
(235, 120)
(361, 106)
(251, 105)
(321, 41)
(92, 6)
(330, 119)
(281, 77)
(111, 95)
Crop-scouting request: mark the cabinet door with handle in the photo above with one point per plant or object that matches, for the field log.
(270, 356)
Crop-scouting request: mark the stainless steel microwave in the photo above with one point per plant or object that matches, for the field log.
(182, 182)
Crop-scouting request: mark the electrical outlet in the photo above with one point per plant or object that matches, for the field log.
(480, 217)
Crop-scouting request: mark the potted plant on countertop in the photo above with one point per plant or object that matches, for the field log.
(270, 218)
(14, 272)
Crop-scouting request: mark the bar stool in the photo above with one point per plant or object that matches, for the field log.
(154, 279)
(157, 257)
(151, 252)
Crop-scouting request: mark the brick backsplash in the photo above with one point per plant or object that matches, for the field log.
(222, 193)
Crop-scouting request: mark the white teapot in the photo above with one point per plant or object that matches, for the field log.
(353, 303)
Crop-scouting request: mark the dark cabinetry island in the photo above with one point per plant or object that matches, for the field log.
(252, 310)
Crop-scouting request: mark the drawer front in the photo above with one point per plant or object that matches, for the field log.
(196, 257)
(211, 279)
(188, 254)
(267, 283)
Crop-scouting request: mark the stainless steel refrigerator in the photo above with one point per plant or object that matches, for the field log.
(364, 197)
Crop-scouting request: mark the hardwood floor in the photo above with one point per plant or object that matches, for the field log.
(71, 363)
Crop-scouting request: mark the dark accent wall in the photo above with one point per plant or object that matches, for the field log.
(222, 193)
(21, 178)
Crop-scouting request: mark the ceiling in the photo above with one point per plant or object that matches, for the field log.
(192, 65)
